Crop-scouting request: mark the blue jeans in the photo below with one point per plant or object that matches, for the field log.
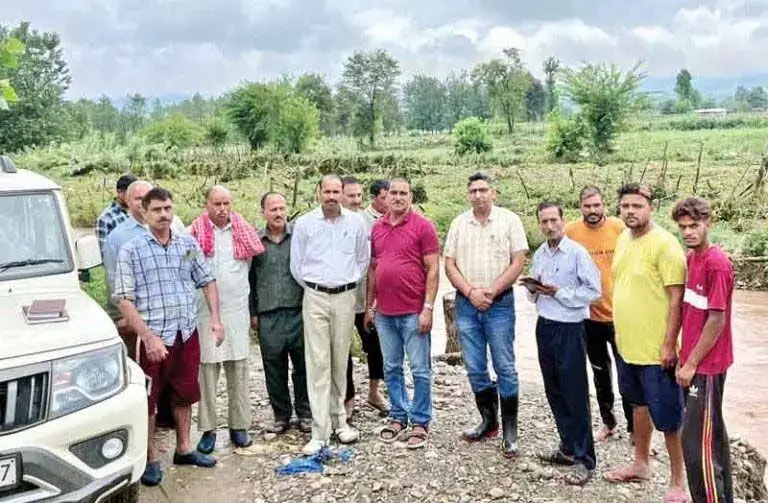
(494, 327)
(399, 335)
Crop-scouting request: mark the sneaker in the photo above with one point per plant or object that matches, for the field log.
(313, 447)
(347, 435)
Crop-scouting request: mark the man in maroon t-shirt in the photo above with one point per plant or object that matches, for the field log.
(402, 285)
(705, 355)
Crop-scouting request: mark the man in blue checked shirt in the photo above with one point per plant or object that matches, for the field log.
(564, 281)
(116, 213)
(155, 281)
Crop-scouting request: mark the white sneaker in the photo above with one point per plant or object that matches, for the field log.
(347, 434)
(313, 447)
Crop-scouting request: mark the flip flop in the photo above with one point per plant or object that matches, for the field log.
(579, 476)
(625, 475)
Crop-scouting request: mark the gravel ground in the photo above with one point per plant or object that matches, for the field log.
(447, 470)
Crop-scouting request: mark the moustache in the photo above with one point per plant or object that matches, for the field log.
(163, 220)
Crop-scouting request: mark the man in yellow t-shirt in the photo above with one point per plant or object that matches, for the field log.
(648, 284)
(598, 233)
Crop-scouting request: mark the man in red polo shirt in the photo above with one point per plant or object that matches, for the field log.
(705, 355)
(402, 285)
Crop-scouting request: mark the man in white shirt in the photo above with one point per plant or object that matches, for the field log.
(330, 251)
(229, 243)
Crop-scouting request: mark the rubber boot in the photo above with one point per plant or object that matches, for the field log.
(509, 406)
(488, 404)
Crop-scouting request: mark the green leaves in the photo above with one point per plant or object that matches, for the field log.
(10, 50)
(470, 135)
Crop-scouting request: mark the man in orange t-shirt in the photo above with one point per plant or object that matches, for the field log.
(598, 234)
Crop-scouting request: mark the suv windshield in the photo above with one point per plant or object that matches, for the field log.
(32, 237)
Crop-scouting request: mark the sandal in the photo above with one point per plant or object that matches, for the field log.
(579, 476)
(625, 475)
(421, 434)
(556, 457)
(606, 433)
(381, 407)
(392, 432)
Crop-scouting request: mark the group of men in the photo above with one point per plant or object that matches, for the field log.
(597, 283)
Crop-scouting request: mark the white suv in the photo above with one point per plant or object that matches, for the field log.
(73, 408)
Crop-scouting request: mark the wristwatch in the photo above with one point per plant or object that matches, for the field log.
(428, 305)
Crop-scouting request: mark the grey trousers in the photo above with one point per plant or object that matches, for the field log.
(237, 395)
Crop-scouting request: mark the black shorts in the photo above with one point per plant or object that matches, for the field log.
(656, 388)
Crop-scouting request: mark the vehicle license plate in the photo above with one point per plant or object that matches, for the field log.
(10, 472)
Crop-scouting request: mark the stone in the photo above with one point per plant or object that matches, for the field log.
(496, 493)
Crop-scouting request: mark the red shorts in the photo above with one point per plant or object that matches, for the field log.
(178, 373)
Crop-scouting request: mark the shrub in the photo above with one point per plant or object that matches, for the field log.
(176, 130)
(565, 136)
(756, 243)
(470, 135)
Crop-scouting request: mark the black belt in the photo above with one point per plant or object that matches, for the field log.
(331, 289)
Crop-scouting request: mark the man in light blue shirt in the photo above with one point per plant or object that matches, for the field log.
(564, 281)
(330, 252)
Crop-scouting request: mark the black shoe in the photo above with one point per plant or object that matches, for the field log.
(279, 427)
(305, 424)
(207, 442)
(488, 404)
(509, 406)
(240, 438)
(194, 458)
(152, 475)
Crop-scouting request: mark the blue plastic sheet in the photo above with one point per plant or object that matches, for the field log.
(314, 463)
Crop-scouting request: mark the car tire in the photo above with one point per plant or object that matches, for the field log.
(129, 494)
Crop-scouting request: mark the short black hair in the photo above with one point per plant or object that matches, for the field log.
(124, 181)
(156, 194)
(349, 180)
(589, 191)
(479, 176)
(546, 205)
(267, 195)
(377, 186)
(634, 188)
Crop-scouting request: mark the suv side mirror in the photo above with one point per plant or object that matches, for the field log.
(88, 253)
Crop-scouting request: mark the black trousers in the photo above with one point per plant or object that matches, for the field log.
(563, 361)
(281, 336)
(372, 348)
(706, 449)
(599, 337)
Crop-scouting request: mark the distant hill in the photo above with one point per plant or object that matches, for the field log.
(719, 87)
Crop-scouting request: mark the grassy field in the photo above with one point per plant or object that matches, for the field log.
(720, 164)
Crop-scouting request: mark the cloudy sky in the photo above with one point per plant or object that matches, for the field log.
(159, 47)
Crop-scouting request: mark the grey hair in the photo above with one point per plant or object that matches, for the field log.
(217, 188)
(138, 183)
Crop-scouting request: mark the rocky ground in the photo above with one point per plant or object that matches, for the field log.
(447, 470)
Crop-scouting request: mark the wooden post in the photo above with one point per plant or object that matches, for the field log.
(451, 334)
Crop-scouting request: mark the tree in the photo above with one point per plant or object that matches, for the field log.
(688, 97)
(251, 108)
(506, 81)
(371, 76)
(105, 117)
(425, 100)
(536, 101)
(39, 78)
(10, 50)
(757, 98)
(133, 115)
(216, 131)
(297, 124)
(345, 105)
(605, 97)
(313, 87)
(551, 68)
(175, 130)
(392, 118)
(458, 96)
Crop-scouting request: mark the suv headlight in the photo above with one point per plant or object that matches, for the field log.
(82, 380)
